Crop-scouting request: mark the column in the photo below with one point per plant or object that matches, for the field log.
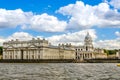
(8, 54)
(29, 54)
(13, 54)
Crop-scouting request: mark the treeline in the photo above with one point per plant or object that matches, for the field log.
(110, 52)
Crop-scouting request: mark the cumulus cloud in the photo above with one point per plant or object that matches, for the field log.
(117, 33)
(13, 18)
(29, 20)
(1, 41)
(20, 35)
(45, 22)
(115, 3)
(76, 38)
(87, 16)
(108, 44)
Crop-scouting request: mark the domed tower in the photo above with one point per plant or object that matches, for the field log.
(88, 43)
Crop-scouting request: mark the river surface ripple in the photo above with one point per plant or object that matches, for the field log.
(59, 71)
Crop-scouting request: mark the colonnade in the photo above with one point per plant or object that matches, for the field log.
(22, 54)
(82, 56)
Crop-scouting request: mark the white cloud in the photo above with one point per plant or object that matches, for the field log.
(108, 44)
(45, 22)
(115, 3)
(20, 35)
(13, 18)
(28, 20)
(87, 16)
(76, 38)
(117, 33)
(1, 41)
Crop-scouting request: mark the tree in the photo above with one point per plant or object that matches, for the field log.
(106, 51)
(110, 52)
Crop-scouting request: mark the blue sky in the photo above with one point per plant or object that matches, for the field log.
(61, 21)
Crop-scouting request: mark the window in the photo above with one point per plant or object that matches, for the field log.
(5, 56)
(32, 56)
(26, 56)
(81, 49)
(10, 56)
(38, 56)
(76, 53)
(15, 56)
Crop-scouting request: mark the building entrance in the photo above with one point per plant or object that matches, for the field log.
(22, 54)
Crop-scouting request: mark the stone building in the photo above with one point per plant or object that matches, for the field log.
(41, 49)
(36, 49)
(118, 54)
(99, 53)
(87, 51)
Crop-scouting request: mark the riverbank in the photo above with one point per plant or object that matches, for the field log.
(103, 61)
(38, 61)
(61, 61)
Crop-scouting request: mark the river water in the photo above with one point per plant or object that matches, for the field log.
(59, 71)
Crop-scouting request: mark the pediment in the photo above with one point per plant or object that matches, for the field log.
(10, 46)
(32, 45)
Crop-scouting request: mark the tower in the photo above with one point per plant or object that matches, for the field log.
(88, 43)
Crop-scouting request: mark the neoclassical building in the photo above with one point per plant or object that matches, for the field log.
(87, 51)
(36, 49)
(118, 54)
(41, 49)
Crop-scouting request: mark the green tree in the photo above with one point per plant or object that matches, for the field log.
(106, 51)
(110, 52)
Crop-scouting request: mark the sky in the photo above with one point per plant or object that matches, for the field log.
(61, 21)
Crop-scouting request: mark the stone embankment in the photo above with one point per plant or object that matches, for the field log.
(103, 60)
(61, 61)
(37, 61)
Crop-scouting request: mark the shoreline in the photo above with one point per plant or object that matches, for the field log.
(60, 61)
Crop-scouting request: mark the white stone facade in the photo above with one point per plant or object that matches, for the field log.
(118, 54)
(87, 51)
(40, 49)
(36, 49)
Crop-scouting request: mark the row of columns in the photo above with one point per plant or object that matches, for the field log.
(84, 56)
(32, 54)
(25, 54)
(11, 54)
